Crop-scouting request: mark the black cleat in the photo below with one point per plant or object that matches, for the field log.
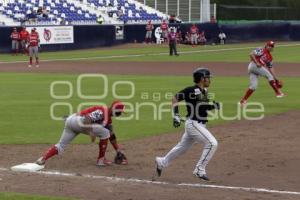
(158, 168)
(203, 177)
(158, 171)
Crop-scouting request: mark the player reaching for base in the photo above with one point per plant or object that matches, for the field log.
(33, 48)
(91, 121)
(261, 65)
(197, 104)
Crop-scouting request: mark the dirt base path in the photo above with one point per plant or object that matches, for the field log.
(144, 68)
(260, 154)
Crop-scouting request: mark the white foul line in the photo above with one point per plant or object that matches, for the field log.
(142, 55)
(144, 181)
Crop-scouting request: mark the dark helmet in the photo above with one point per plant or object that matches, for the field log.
(201, 73)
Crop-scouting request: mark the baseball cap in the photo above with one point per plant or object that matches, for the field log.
(270, 43)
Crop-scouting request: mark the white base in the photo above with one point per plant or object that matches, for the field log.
(27, 167)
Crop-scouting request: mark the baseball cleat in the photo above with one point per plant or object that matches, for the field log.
(202, 176)
(242, 103)
(29, 66)
(40, 161)
(280, 95)
(158, 166)
(103, 162)
(37, 66)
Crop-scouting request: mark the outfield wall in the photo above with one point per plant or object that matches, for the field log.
(108, 35)
(84, 37)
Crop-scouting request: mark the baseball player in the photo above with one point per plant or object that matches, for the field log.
(149, 29)
(197, 104)
(194, 35)
(15, 37)
(23, 39)
(261, 65)
(91, 121)
(33, 48)
(164, 28)
(172, 42)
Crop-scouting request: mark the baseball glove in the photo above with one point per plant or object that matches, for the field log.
(279, 83)
(121, 159)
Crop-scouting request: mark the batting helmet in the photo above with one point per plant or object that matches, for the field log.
(201, 73)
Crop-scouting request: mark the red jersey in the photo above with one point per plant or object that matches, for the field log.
(33, 39)
(15, 35)
(98, 114)
(24, 35)
(263, 56)
(164, 26)
(194, 30)
(149, 27)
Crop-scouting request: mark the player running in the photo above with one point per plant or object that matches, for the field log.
(91, 121)
(197, 103)
(261, 65)
(33, 48)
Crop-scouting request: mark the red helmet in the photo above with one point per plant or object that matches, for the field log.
(270, 43)
(118, 106)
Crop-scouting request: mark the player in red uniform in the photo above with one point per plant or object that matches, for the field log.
(149, 29)
(23, 39)
(15, 37)
(261, 65)
(194, 35)
(92, 121)
(164, 28)
(33, 48)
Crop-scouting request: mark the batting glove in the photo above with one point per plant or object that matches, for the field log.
(176, 121)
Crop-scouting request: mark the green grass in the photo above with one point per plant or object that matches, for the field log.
(25, 103)
(15, 196)
(204, 53)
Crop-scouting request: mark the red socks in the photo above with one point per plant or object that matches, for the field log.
(37, 61)
(30, 61)
(51, 152)
(114, 143)
(274, 86)
(248, 94)
(102, 148)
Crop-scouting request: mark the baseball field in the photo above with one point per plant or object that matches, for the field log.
(258, 154)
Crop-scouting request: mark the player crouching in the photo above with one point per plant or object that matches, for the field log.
(94, 121)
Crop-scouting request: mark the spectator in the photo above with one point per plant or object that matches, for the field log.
(45, 12)
(178, 20)
(39, 12)
(120, 13)
(110, 10)
(213, 19)
(222, 37)
(149, 29)
(15, 37)
(171, 19)
(202, 38)
(100, 19)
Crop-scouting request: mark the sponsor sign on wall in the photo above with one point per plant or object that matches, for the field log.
(54, 34)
